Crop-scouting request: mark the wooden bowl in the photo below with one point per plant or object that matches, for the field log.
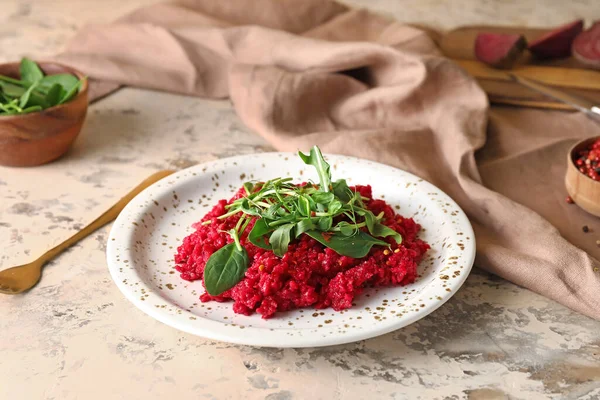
(40, 137)
(584, 191)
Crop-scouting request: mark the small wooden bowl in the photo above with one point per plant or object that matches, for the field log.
(584, 191)
(40, 137)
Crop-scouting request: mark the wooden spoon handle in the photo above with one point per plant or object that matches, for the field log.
(105, 218)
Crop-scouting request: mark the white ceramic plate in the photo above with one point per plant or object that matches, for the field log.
(145, 237)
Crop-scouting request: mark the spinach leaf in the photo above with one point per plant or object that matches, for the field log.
(225, 268)
(3, 98)
(11, 90)
(37, 99)
(32, 109)
(54, 95)
(12, 81)
(71, 93)
(29, 70)
(356, 246)
(25, 97)
(67, 81)
(377, 229)
(257, 234)
(280, 239)
(315, 158)
(34, 91)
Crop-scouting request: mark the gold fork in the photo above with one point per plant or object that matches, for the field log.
(19, 279)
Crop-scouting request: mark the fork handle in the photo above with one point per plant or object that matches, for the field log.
(105, 218)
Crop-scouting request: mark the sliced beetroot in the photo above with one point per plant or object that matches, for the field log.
(557, 43)
(586, 46)
(499, 50)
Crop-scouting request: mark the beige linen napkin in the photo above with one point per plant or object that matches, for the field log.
(301, 73)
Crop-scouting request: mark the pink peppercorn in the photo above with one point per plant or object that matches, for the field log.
(587, 161)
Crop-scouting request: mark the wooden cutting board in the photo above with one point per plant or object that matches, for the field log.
(566, 73)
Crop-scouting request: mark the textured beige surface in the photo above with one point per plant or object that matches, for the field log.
(76, 337)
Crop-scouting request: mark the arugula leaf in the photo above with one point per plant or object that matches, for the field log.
(342, 191)
(284, 211)
(315, 158)
(304, 206)
(334, 207)
(325, 223)
(257, 234)
(225, 268)
(248, 209)
(323, 198)
(346, 229)
(303, 226)
(356, 246)
(280, 239)
(272, 211)
(377, 229)
(30, 71)
(249, 187)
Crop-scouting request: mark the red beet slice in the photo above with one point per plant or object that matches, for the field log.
(586, 46)
(499, 50)
(557, 43)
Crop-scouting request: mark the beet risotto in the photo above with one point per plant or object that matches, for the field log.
(277, 246)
